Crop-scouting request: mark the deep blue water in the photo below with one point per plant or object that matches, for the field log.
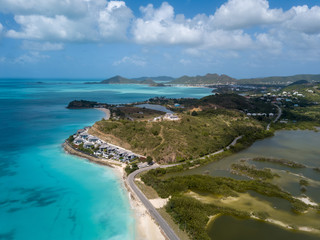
(46, 193)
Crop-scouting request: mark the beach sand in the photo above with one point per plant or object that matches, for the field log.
(106, 111)
(146, 228)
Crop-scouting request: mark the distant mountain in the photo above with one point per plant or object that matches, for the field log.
(213, 79)
(281, 80)
(121, 80)
(160, 78)
(118, 80)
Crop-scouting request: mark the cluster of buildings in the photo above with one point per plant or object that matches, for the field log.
(167, 116)
(261, 114)
(102, 149)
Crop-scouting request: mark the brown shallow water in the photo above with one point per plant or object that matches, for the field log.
(230, 228)
(298, 146)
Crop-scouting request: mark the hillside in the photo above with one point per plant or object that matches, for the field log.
(208, 79)
(121, 80)
(281, 80)
(168, 141)
(159, 78)
(310, 91)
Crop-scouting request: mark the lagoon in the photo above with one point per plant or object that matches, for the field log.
(298, 146)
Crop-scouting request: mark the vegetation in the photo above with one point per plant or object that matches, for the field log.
(81, 104)
(207, 79)
(252, 172)
(280, 80)
(283, 162)
(189, 138)
(122, 80)
(304, 182)
(135, 113)
(192, 214)
(131, 168)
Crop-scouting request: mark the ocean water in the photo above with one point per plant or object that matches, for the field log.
(46, 193)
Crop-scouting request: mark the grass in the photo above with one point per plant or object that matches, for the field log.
(189, 138)
(148, 191)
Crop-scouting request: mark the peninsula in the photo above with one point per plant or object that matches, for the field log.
(153, 147)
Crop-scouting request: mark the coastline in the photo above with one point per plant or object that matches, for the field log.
(106, 111)
(146, 227)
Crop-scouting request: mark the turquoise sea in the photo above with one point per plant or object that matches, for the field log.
(46, 193)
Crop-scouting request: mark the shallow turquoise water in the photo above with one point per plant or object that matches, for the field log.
(46, 193)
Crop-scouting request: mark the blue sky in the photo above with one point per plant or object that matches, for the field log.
(100, 39)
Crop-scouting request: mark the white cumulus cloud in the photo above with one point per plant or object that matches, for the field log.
(246, 13)
(304, 19)
(162, 26)
(108, 22)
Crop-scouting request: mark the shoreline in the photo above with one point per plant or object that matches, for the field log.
(145, 226)
(106, 112)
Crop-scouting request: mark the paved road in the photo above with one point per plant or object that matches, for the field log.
(154, 213)
(277, 118)
(222, 150)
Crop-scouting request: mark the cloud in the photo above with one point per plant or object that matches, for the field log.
(48, 7)
(132, 61)
(237, 14)
(304, 19)
(236, 26)
(162, 26)
(41, 46)
(31, 57)
(96, 23)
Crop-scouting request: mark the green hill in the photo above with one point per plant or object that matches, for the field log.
(121, 80)
(284, 80)
(213, 79)
(159, 78)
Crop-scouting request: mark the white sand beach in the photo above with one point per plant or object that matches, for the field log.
(106, 111)
(146, 228)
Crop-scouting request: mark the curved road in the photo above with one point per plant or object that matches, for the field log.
(154, 213)
(277, 118)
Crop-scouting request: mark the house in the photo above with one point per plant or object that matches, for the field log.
(103, 147)
(80, 131)
(157, 119)
(271, 114)
(88, 145)
(93, 139)
(84, 135)
(78, 141)
(171, 117)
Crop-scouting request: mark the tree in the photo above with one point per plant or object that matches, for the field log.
(149, 160)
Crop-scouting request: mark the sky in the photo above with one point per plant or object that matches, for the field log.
(98, 39)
